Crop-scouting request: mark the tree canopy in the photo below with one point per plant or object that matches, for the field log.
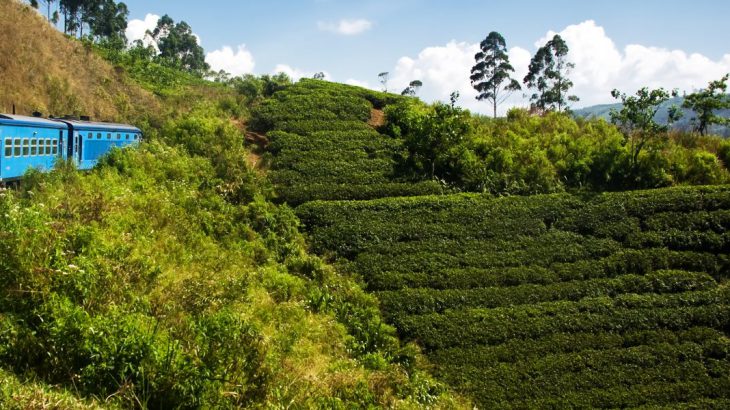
(178, 45)
(491, 74)
(705, 102)
(548, 76)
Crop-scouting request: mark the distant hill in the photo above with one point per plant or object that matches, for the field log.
(603, 111)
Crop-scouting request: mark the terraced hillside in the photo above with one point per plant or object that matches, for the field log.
(551, 301)
(322, 146)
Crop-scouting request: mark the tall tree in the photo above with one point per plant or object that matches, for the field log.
(384, 80)
(491, 74)
(548, 76)
(705, 102)
(636, 118)
(178, 45)
(109, 20)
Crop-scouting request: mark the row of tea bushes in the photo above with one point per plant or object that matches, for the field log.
(551, 301)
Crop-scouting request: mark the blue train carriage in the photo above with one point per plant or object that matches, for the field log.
(91, 140)
(27, 142)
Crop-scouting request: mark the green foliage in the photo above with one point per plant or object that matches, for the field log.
(548, 76)
(429, 135)
(550, 300)
(705, 102)
(524, 154)
(178, 46)
(636, 119)
(322, 148)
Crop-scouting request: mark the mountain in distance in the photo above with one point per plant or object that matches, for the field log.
(684, 123)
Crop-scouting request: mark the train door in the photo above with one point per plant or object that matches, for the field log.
(73, 146)
(59, 147)
(80, 147)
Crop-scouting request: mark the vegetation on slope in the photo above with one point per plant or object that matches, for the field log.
(525, 154)
(323, 148)
(155, 281)
(165, 277)
(553, 301)
(43, 71)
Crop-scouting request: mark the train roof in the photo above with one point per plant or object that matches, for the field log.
(100, 126)
(22, 120)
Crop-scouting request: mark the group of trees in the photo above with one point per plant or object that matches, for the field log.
(548, 78)
(177, 45)
(547, 74)
(636, 117)
(103, 19)
(171, 43)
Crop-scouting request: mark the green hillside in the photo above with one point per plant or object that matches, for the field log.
(166, 277)
(322, 146)
(281, 244)
(575, 299)
(551, 301)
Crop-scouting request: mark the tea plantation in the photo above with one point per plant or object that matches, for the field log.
(551, 301)
(322, 147)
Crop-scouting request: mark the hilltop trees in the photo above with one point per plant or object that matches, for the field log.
(548, 76)
(705, 102)
(636, 118)
(105, 19)
(412, 88)
(491, 74)
(178, 45)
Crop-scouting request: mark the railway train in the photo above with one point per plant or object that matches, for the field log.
(34, 142)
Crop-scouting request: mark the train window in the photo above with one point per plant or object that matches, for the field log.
(55, 146)
(26, 147)
(108, 135)
(119, 136)
(16, 148)
(33, 147)
(136, 137)
(98, 135)
(127, 135)
(90, 135)
(8, 147)
(48, 146)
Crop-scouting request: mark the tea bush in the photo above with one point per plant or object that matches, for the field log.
(550, 300)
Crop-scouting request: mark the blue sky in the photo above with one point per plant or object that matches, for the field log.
(671, 43)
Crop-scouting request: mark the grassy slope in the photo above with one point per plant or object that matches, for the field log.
(42, 71)
(158, 279)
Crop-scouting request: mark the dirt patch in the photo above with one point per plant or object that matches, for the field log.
(257, 144)
(257, 139)
(377, 118)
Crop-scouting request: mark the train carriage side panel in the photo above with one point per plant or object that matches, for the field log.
(92, 140)
(27, 142)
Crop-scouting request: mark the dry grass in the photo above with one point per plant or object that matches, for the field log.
(15, 394)
(377, 118)
(43, 71)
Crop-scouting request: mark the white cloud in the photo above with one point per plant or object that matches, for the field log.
(445, 69)
(358, 83)
(296, 73)
(137, 29)
(346, 27)
(600, 67)
(237, 62)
